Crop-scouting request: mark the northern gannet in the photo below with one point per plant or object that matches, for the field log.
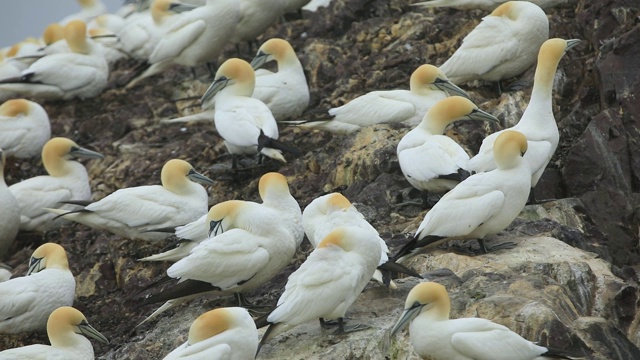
(90, 9)
(285, 92)
(502, 46)
(434, 162)
(246, 124)
(487, 5)
(255, 18)
(428, 85)
(195, 37)
(24, 128)
(481, 205)
(67, 180)
(328, 282)
(133, 212)
(537, 122)
(435, 336)
(224, 333)
(67, 329)
(82, 73)
(9, 212)
(26, 302)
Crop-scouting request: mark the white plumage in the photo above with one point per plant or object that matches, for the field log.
(488, 5)
(537, 122)
(502, 46)
(9, 212)
(133, 212)
(26, 302)
(24, 128)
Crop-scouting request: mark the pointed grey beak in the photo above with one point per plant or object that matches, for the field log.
(215, 226)
(82, 152)
(571, 43)
(179, 7)
(217, 85)
(260, 59)
(88, 331)
(34, 265)
(450, 88)
(481, 115)
(197, 177)
(406, 317)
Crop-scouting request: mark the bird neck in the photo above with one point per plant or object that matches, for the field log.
(57, 166)
(543, 83)
(439, 311)
(69, 339)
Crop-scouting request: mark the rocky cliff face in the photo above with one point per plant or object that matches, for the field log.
(572, 281)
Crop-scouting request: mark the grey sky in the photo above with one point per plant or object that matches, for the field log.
(20, 19)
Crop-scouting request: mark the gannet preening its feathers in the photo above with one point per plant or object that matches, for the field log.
(435, 336)
(67, 329)
(224, 333)
(428, 85)
(67, 180)
(24, 128)
(246, 124)
(26, 302)
(9, 211)
(133, 212)
(434, 162)
(328, 282)
(81, 73)
(483, 204)
(285, 92)
(537, 122)
(502, 46)
(487, 5)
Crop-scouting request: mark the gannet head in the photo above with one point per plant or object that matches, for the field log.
(75, 33)
(510, 10)
(160, 9)
(176, 175)
(64, 322)
(226, 210)
(426, 296)
(87, 4)
(549, 57)
(428, 78)
(273, 184)
(274, 49)
(338, 237)
(15, 107)
(48, 256)
(57, 151)
(336, 202)
(508, 148)
(210, 324)
(452, 109)
(53, 33)
(236, 72)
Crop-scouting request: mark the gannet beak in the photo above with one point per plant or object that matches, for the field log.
(34, 265)
(197, 177)
(217, 85)
(88, 331)
(82, 152)
(481, 115)
(406, 317)
(450, 88)
(260, 59)
(214, 226)
(178, 7)
(104, 36)
(571, 43)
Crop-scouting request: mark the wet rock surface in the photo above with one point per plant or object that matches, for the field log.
(572, 281)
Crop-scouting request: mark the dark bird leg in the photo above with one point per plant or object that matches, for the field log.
(345, 329)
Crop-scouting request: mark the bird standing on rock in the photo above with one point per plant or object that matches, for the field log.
(24, 128)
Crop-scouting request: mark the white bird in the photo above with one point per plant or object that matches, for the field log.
(434, 162)
(313, 5)
(435, 336)
(135, 212)
(9, 212)
(194, 38)
(274, 192)
(67, 329)
(90, 9)
(428, 85)
(330, 211)
(487, 5)
(481, 205)
(26, 302)
(67, 180)
(82, 73)
(502, 46)
(24, 128)
(537, 122)
(255, 18)
(244, 249)
(224, 333)
(246, 124)
(328, 282)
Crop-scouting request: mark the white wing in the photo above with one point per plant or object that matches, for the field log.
(181, 35)
(376, 107)
(438, 155)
